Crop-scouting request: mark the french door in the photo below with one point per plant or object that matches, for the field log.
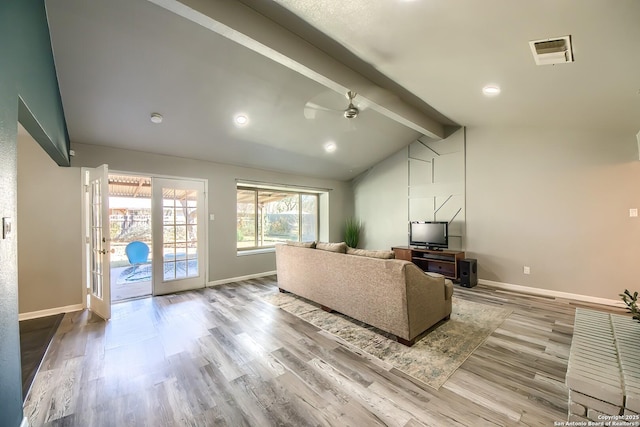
(97, 248)
(178, 224)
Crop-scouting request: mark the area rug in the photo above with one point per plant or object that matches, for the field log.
(432, 359)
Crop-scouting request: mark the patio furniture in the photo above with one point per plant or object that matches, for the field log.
(137, 254)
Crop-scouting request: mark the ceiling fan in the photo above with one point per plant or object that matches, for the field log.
(352, 110)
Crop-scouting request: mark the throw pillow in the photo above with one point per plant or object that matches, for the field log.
(371, 254)
(310, 245)
(340, 248)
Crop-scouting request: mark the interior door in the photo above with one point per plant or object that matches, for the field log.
(97, 263)
(179, 238)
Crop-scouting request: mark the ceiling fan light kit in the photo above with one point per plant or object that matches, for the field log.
(351, 112)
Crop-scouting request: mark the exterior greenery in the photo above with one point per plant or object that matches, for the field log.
(352, 229)
(632, 303)
(269, 216)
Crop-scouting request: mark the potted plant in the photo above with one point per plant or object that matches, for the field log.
(631, 300)
(352, 229)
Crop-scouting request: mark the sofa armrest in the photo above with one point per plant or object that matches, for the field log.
(448, 289)
(448, 284)
(428, 299)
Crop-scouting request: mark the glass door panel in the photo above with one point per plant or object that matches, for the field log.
(183, 243)
(98, 250)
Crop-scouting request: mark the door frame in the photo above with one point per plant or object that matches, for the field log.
(172, 286)
(85, 294)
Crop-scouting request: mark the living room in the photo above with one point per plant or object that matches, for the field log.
(553, 196)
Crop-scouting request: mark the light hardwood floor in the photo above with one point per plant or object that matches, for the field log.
(222, 356)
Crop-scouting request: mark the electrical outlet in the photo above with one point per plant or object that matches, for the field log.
(633, 212)
(526, 269)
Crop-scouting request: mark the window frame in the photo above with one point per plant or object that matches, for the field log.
(257, 248)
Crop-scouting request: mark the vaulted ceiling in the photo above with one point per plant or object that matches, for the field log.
(418, 68)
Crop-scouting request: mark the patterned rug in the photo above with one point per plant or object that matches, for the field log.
(432, 359)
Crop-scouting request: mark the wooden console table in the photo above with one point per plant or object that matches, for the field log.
(444, 262)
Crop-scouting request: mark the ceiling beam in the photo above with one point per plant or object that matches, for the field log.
(249, 28)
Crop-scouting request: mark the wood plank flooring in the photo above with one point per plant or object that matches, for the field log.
(222, 356)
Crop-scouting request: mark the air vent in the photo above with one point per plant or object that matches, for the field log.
(552, 51)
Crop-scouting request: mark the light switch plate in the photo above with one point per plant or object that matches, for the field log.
(6, 227)
(633, 212)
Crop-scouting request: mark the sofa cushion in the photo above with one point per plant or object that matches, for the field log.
(371, 254)
(310, 245)
(332, 247)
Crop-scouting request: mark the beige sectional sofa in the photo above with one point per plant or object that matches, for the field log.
(392, 295)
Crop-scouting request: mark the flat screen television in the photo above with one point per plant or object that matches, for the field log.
(429, 234)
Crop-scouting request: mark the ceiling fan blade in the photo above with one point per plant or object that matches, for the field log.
(351, 125)
(362, 104)
(349, 112)
(311, 110)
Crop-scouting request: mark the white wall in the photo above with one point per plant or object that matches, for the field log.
(49, 217)
(223, 260)
(557, 201)
(381, 204)
(421, 182)
(437, 184)
(49, 231)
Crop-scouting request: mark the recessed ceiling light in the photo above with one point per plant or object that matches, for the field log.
(156, 118)
(241, 119)
(491, 90)
(330, 147)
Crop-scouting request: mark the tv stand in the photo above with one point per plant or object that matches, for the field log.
(440, 261)
(418, 247)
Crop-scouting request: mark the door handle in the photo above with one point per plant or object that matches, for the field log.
(102, 251)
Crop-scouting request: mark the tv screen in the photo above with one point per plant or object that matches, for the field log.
(432, 234)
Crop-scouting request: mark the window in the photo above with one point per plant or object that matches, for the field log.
(268, 216)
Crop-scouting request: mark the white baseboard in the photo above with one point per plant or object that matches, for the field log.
(50, 312)
(550, 293)
(25, 422)
(240, 278)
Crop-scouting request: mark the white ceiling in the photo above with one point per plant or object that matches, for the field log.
(418, 65)
(445, 51)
